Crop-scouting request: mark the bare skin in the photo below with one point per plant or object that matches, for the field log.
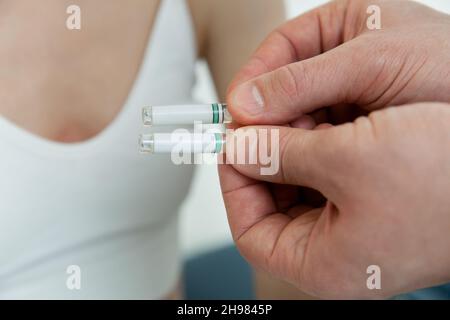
(351, 193)
(68, 86)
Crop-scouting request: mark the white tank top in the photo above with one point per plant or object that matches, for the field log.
(99, 205)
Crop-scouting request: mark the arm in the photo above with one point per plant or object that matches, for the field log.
(228, 31)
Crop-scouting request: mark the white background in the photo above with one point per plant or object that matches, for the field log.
(203, 218)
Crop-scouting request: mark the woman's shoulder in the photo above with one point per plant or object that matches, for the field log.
(200, 11)
(223, 18)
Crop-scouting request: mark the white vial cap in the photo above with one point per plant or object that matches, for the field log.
(147, 143)
(147, 116)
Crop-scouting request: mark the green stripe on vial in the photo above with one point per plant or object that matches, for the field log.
(215, 108)
(219, 142)
(223, 112)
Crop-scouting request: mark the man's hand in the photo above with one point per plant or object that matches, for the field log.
(386, 180)
(328, 57)
(377, 187)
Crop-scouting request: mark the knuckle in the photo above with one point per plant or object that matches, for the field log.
(288, 80)
(291, 152)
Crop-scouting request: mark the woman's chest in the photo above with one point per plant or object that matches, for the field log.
(68, 85)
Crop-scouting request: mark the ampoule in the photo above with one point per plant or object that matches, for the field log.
(215, 113)
(192, 143)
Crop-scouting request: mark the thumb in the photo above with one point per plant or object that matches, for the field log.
(317, 159)
(299, 88)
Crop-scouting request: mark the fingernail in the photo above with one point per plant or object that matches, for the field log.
(248, 97)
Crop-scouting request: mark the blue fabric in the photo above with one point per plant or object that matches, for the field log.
(221, 274)
(435, 293)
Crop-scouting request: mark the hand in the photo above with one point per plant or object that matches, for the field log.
(329, 58)
(386, 180)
